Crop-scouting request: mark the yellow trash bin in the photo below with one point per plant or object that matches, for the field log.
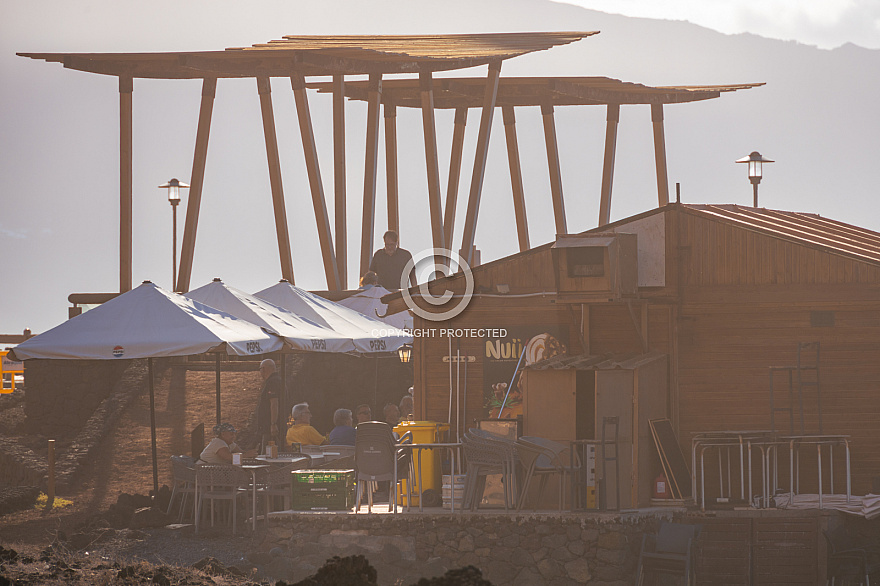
(423, 432)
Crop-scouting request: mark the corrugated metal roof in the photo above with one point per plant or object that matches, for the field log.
(600, 362)
(535, 91)
(811, 229)
(321, 55)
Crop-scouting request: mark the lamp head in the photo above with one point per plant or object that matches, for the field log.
(174, 186)
(755, 161)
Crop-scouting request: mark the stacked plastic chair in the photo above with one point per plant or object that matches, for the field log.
(486, 454)
(542, 457)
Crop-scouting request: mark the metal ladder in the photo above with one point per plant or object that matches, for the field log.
(797, 381)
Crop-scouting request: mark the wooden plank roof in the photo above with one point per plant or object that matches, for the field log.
(809, 229)
(534, 91)
(321, 55)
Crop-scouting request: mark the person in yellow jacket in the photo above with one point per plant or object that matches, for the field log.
(301, 431)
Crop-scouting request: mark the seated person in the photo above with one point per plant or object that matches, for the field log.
(364, 413)
(343, 433)
(392, 414)
(369, 280)
(220, 449)
(406, 406)
(301, 432)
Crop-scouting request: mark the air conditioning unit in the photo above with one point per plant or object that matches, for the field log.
(596, 267)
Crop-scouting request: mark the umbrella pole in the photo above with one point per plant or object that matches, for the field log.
(153, 430)
(217, 370)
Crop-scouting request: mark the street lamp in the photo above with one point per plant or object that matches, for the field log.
(174, 186)
(755, 160)
(404, 353)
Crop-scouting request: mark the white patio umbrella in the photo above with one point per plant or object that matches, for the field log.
(149, 322)
(300, 333)
(369, 335)
(369, 303)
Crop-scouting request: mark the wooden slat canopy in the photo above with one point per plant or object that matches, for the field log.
(321, 55)
(467, 92)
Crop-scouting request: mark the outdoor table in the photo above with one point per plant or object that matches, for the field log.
(796, 441)
(449, 446)
(744, 440)
(281, 459)
(253, 469)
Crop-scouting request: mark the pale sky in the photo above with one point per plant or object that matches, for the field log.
(824, 23)
(59, 131)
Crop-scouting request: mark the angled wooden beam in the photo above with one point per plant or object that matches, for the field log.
(612, 119)
(516, 182)
(426, 92)
(265, 91)
(370, 161)
(488, 110)
(197, 180)
(391, 184)
(126, 87)
(553, 164)
(660, 154)
(316, 184)
(454, 173)
(339, 183)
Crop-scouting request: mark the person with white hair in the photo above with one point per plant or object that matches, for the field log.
(343, 434)
(301, 431)
(269, 418)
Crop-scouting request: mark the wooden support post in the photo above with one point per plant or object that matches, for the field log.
(217, 386)
(316, 185)
(516, 182)
(265, 90)
(197, 180)
(391, 174)
(155, 457)
(374, 97)
(426, 92)
(612, 120)
(660, 154)
(339, 182)
(488, 111)
(50, 488)
(553, 164)
(454, 173)
(126, 86)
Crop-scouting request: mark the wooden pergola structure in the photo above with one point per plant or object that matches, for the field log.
(298, 57)
(462, 94)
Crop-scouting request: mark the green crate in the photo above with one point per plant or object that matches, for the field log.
(307, 479)
(324, 498)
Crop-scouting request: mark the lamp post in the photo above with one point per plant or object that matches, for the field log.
(174, 186)
(755, 160)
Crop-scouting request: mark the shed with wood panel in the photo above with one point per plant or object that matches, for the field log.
(725, 292)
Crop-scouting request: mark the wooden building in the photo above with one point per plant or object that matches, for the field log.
(725, 292)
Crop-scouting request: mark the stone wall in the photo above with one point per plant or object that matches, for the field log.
(61, 395)
(601, 550)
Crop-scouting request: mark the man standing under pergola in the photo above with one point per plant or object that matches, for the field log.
(388, 262)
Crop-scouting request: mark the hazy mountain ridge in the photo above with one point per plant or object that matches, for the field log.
(816, 117)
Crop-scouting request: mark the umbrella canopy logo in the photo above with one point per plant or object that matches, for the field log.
(118, 351)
